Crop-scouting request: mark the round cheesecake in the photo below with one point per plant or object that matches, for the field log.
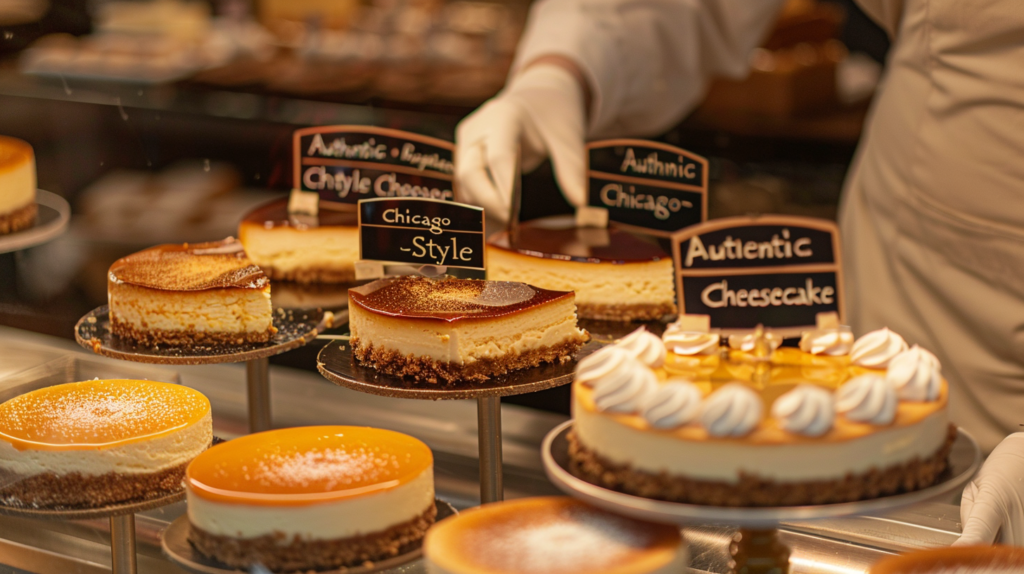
(321, 248)
(17, 185)
(551, 535)
(311, 497)
(721, 426)
(616, 275)
(94, 443)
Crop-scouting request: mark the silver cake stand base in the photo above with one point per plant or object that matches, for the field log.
(52, 219)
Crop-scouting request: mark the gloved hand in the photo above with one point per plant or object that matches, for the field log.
(993, 503)
(542, 110)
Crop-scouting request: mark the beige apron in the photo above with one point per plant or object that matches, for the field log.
(933, 213)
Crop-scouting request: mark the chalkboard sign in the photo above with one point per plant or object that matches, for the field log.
(650, 187)
(422, 232)
(345, 164)
(777, 271)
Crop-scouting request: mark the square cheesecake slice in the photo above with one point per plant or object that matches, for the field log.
(460, 330)
(191, 294)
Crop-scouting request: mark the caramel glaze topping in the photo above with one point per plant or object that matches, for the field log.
(275, 214)
(190, 267)
(449, 299)
(13, 152)
(559, 238)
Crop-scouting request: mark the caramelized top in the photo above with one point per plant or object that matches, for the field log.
(559, 238)
(14, 153)
(550, 535)
(190, 267)
(307, 465)
(275, 214)
(449, 299)
(98, 414)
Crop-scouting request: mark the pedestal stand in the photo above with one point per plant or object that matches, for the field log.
(52, 219)
(338, 365)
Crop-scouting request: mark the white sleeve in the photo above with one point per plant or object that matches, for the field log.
(648, 61)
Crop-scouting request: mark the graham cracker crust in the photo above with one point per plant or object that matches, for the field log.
(754, 491)
(156, 337)
(21, 218)
(623, 312)
(426, 370)
(279, 554)
(75, 490)
(310, 275)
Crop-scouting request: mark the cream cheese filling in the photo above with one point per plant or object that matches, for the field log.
(17, 186)
(288, 250)
(211, 310)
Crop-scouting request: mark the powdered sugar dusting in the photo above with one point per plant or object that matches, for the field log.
(329, 469)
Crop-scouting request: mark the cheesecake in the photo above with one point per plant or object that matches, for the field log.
(320, 248)
(714, 425)
(191, 294)
(553, 535)
(100, 442)
(17, 185)
(311, 498)
(616, 275)
(460, 330)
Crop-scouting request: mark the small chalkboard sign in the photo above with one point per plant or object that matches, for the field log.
(651, 187)
(345, 164)
(425, 232)
(776, 271)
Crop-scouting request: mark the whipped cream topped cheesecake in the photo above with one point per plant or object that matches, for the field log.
(616, 275)
(453, 330)
(191, 294)
(311, 498)
(315, 248)
(100, 442)
(17, 185)
(686, 419)
(551, 535)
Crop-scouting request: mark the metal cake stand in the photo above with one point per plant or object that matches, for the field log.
(756, 548)
(174, 541)
(52, 219)
(338, 365)
(294, 329)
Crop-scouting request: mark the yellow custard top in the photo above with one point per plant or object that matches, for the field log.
(14, 153)
(99, 414)
(307, 465)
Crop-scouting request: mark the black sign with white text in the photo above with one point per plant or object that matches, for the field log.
(776, 271)
(653, 187)
(421, 232)
(345, 164)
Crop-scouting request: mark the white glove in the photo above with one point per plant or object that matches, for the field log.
(993, 503)
(542, 111)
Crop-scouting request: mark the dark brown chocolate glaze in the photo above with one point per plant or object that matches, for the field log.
(190, 267)
(559, 238)
(449, 299)
(275, 214)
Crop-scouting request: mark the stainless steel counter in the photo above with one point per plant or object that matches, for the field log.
(844, 546)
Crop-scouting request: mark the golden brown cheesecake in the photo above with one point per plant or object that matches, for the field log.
(320, 248)
(100, 442)
(191, 294)
(452, 330)
(616, 275)
(17, 185)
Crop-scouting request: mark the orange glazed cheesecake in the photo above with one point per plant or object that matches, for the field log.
(311, 498)
(100, 442)
(191, 294)
(17, 185)
(321, 248)
(551, 535)
(616, 275)
(452, 330)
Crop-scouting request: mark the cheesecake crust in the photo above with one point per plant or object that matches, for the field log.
(77, 491)
(426, 370)
(21, 218)
(185, 339)
(279, 554)
(753, 491)
(625, 313)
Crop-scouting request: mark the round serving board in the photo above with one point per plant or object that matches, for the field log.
(338, 365)
(52, 219)
(177, 548)
(294, 329)
(964, 461)
(119, 509)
